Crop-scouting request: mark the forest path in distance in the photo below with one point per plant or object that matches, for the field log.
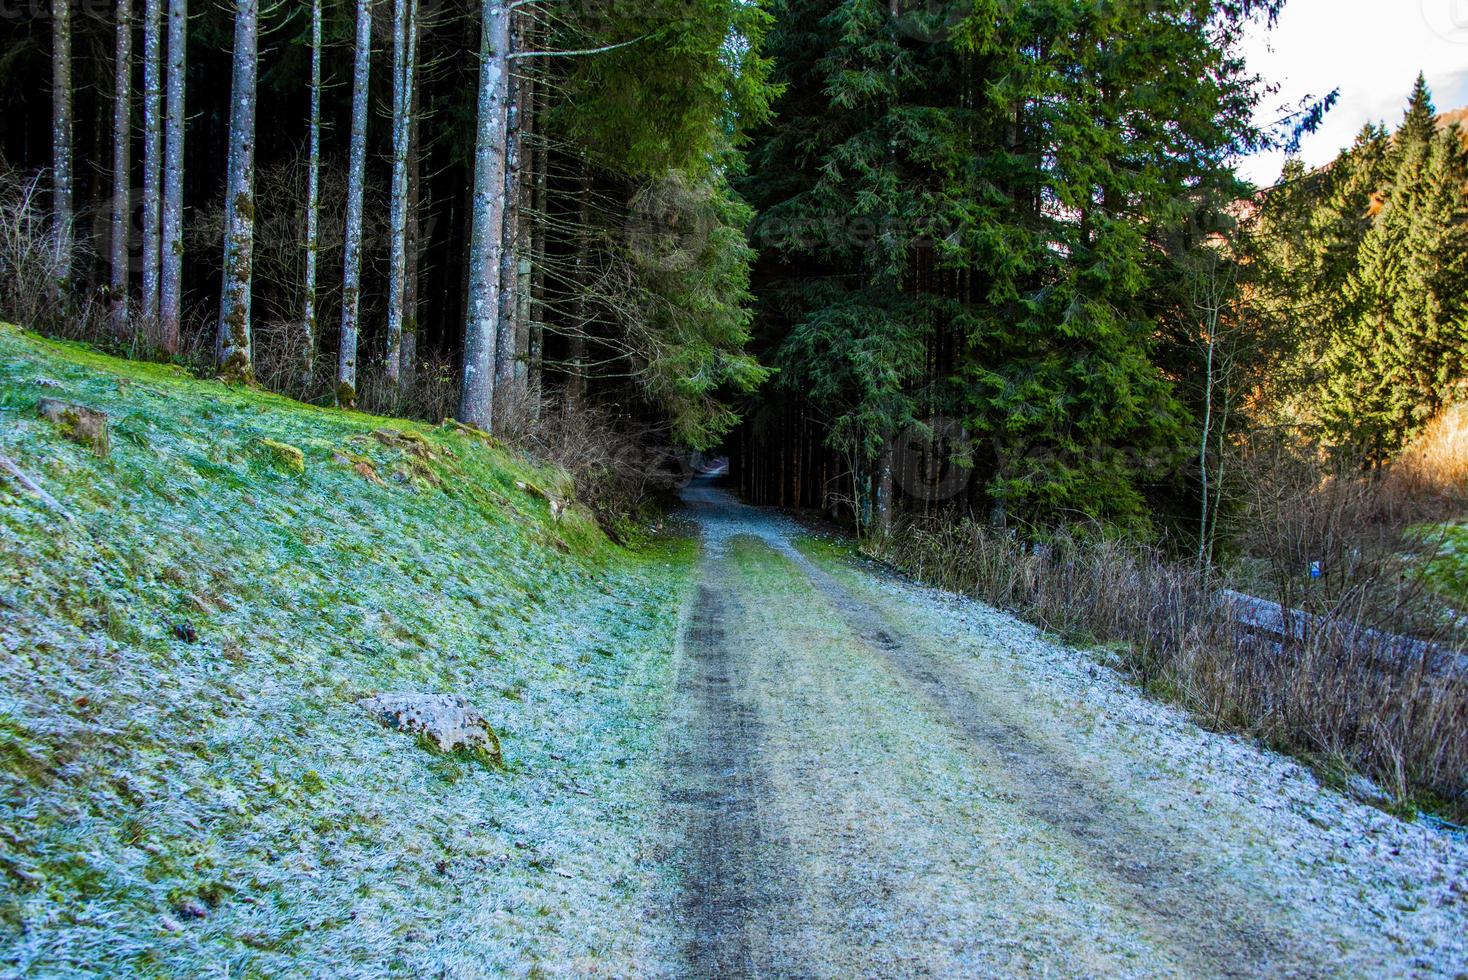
(864, 777)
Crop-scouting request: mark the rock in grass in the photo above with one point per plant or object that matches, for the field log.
(82, 425)
(191, 908)
(407, 440)
(283, 453)
(446, 721)
(471, 431)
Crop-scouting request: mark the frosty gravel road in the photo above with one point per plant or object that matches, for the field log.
(863, 777)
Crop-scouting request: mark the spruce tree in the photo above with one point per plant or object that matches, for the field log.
(1399, 343)
(966, 217)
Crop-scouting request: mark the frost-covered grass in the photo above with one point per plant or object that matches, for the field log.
(1318, 877)
(186, 786)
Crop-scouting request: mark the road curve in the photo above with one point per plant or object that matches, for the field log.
(863, 777)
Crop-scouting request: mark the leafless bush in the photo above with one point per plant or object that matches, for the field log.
(279, 352)
(279, 255)
(429, 392)
(1338, 540)
(30, 267)
(1331, 690)
(619, 468)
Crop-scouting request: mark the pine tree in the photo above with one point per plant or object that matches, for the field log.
(476, 390)
(313, 203)
(170, 270)
(152, 159)
(122, 105)
(964, 219)
(61, 149)
(1399, 341)
(346, 369)
(405, 33)
(233, 346)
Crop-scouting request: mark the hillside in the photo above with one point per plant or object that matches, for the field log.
(186, 781)
(1455, 117)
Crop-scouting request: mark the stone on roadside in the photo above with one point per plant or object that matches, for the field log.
(447, 721)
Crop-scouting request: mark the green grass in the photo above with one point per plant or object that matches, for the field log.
(1448, 569)
(142, 774)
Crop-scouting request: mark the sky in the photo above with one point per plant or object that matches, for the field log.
(1371, 50)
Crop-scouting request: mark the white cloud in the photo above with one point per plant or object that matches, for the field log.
(1371, 50)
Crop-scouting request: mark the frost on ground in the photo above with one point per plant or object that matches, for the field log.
(942, 790)
(187, 784)
(815, 771)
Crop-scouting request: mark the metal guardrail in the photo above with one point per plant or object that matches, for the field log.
(1275, 620)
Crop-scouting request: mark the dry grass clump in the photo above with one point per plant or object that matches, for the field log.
(1330, 690)
(1433, 469)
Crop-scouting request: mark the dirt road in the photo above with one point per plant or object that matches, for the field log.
(868, 778)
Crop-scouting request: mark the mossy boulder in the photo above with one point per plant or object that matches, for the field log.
(360, 465)
(414, 443)
(282, 454)
(469, 431)
(82, 425)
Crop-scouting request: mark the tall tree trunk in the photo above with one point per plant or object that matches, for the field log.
(411, 286)
(152, 156)
(346, 367)
(505, 348)
(234, 353)
(405, 15)
(476, 397)
(539, 154)
(61, 189)
(122, 124)
(884, 487)
(170, 272)
(313, 205)
(576, 343)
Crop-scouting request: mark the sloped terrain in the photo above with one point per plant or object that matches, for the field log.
(187, 785)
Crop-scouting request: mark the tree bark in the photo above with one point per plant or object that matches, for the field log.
(234, 349)
(122, 122)
(346, 368)
(405, 15)
(170, 272)
(411, 286)
(524, 204)
(476, 399)
(61, 125)
(505, 341)
(313, 206)
(884, 487)
(152, 158)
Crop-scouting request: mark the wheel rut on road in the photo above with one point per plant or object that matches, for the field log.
(1201, 924)
(847, 794)
(713, 791)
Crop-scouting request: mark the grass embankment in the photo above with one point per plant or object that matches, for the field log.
(186, 784)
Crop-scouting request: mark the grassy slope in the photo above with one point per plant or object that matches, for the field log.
(141, 774)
